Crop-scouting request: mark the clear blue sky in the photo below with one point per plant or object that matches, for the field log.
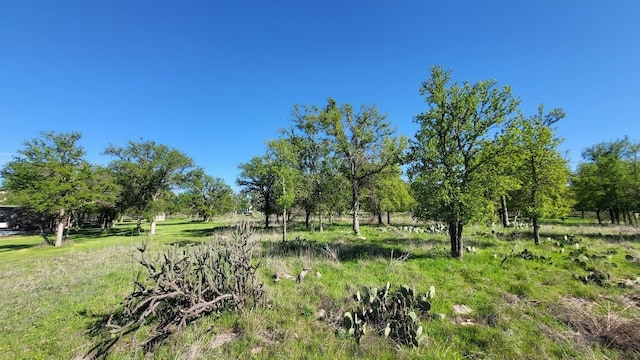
(215, 79)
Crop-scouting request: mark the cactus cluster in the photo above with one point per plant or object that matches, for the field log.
(528, 255)
(569, 240)
(596, 276)
(586, 261)
(394, 315)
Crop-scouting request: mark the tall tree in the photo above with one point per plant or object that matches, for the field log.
(209, 196)
(284, 166)
(145, 170)
(365, 144)
(541, 170)
(315, 164)
(259, 181)
(453, 149)
(48, 175)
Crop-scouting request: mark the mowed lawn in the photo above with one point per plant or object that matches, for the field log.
(526, 301)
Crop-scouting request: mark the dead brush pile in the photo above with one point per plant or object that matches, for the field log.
(183, 284)
(595, 324)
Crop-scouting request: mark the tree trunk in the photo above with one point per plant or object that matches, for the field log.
(307, 215)
(503, 211)
(266, 220)
(60, 229)
(388, 217)
(152, 230)
(284, 225)
(356, 219)
(355, 204)
(599, 218)
(536, 230)
(612, 217)
(455, 235)
(320, 222)
(380, 222)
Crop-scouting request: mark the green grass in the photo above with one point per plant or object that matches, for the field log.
(53, 299)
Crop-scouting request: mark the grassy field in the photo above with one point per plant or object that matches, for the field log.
(533, 304)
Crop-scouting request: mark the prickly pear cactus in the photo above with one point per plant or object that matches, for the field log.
(394, 315)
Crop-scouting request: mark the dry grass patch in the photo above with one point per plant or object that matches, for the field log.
(601, 324)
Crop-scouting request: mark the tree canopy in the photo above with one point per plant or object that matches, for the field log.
(452, 151)
(208, 195)
(145, 170)
(50, 176)
(541, 171)
(608, 180)
(365, 145)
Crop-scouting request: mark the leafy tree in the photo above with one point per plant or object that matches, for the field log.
(607, 179)
(209, 196)
(586, 192)
(541, 170)
(338, 199)
(503, 175)
(634, 180)
(169, 202)
(316, 166)
(364, 144)
(146, 170)
(185, 203)
(283, 165)
(242, 203)
(259, 182)
(105, 190)
(392, 193)
(49, 176)
(451, 155)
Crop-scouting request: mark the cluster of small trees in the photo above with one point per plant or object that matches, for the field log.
(608, 180)
(51, 177)
(474, 155)
(331, 159)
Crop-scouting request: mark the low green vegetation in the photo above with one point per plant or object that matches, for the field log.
(576, 295)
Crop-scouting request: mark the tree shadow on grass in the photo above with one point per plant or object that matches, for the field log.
(103, 340)
(182, 222)
(96, 233)
(344, 251)
(99, 334)
(213, 231)
(14, 247)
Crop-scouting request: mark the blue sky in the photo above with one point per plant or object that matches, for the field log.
(216, 79)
